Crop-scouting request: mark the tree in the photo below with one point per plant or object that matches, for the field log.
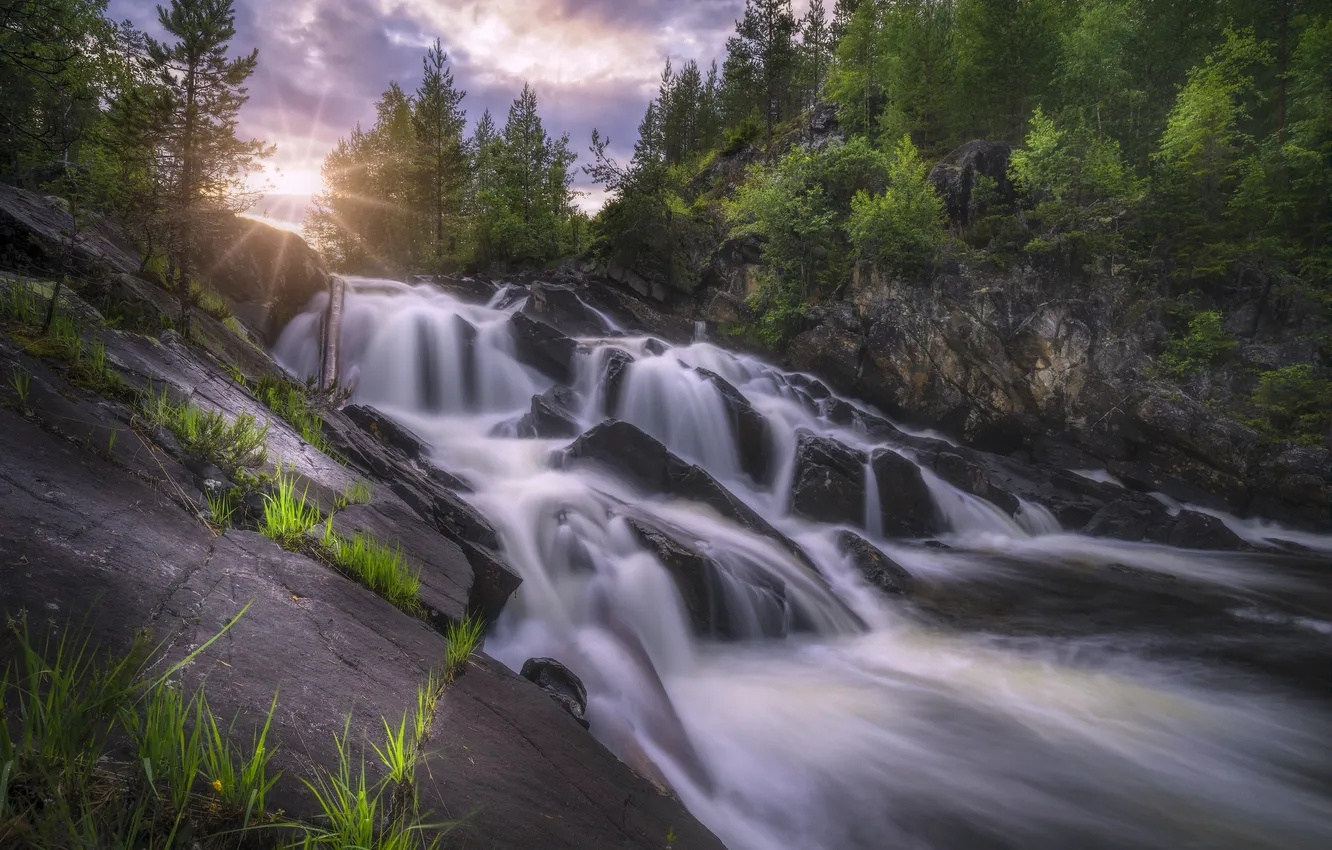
(438, 120)
(1006, 58)
(815, 52)
(761, 57)
(206, 164)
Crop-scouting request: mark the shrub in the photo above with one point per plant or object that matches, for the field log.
(231, 446)
(900, 229)
(1294, 402)
(742, 135)
(1205, 343)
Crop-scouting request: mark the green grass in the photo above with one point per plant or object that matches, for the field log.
(377, 566)
(206, 299)
(289, 401)
(287, 516)
(233, 445)
(238, 775)
(359, 492)
(464, 637)
(63, 780)
(20, 380)
(222, 506)
(20, 304)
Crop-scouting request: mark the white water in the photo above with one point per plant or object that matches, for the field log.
(877, 726)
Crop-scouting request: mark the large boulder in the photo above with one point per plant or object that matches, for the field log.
(1132, 518)
(971, 477)
(269, 274)
(958, 175)
(560, 684)
(543, 348)
(750, 429)
(722, 603)
(1194, 530)
(877, 568)
(906, 506)
(830, 350)
(613, 371)
(829, 481)
(561, 308)
(552, 415)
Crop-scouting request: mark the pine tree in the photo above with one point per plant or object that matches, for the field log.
(815, 51)
(763, 52)
(438, 120)
(206, 164)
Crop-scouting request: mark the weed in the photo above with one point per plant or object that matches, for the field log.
(359, 492)
(239, 779)
(222, 505)
(111, 442)
(206, 298)
(287, 517)
(464, 638)
(20, 382)
(230, 445)
(289, 401)
(377, 566)
(19, 304)
(170, 745)
(91, 369)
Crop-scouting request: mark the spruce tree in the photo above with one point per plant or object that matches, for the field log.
(438, 120)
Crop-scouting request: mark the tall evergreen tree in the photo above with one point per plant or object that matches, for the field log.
(438, 120)
(815, 51)
(763, 53)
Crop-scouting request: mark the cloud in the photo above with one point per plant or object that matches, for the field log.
(323, 63)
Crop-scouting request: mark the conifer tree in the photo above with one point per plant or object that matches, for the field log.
(438, 120)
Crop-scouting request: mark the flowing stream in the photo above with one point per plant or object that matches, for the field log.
(1043, 690)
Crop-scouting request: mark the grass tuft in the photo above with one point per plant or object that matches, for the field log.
(222, 506)
(359, 492)
(464, 638)
(21, 381)
(377, 566)
(230, 445)
(208, 300)
(287, 516)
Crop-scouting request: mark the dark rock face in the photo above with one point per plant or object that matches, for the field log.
(390, 432)
(612, 379)
(908, 508)
(560, 307)
(543, 348)
(971, 477)
(1133, 519)
(475, 290)
(877, 568)
(722, 603)
(829, 481)
(269, 274)
(830, 351)
(956, 177)
(1193, 530)
(750, 429)
(32, 229)
(550, 416)
(560, 684)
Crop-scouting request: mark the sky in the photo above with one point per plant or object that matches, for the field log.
(323, 63)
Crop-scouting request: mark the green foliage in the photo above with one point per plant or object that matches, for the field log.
(231, 446)
(464, 638)
(358, 492)
(743, 135)
(377, 566)
(20, 380)
(222, 505)
(239, 775)
(900, 229)
(1081, 192)
(1205, 343)
(1295, 403)
(287, 516)
(20, 304)
(289, 400)
(206, 298)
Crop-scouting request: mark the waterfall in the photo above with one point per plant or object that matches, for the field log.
(1038, 711)
(700, 331)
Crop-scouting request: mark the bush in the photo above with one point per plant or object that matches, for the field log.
(231, 446)
(901, 229)
(1206, 342)
(742, 135)
(1294, 402)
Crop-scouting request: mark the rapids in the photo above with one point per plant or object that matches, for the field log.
(1031, 696)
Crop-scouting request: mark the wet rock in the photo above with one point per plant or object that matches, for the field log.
(468, 288)
(656, 347)
(561, 308)
(829, 351)
(548, 417)
(702, 584)
(386, 430)
(560, 684)
(971, 477)
(904, 499)
(957, 176)
(750, 429)
(877, 568)
(1194, 530)
(543, 348)
(829, 481)
(1132, 519)
(32, 237)
(612, 378)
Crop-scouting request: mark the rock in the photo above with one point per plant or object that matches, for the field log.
(1193, 530)
(560, 684)
(385, 429)
(468, 288)
(549, 418)
(904, 499)
(828, 351)
(1131, 518)
(710, 590)
(877, 568)
(972, 478)
(269, 274)
(829, 481)
(956, 177)
(612, 378)
(561, 308)
(749, 428)
(655, 347)
(543, 348)
(33, 237)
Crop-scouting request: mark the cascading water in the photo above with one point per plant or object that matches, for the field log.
(872, 724)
